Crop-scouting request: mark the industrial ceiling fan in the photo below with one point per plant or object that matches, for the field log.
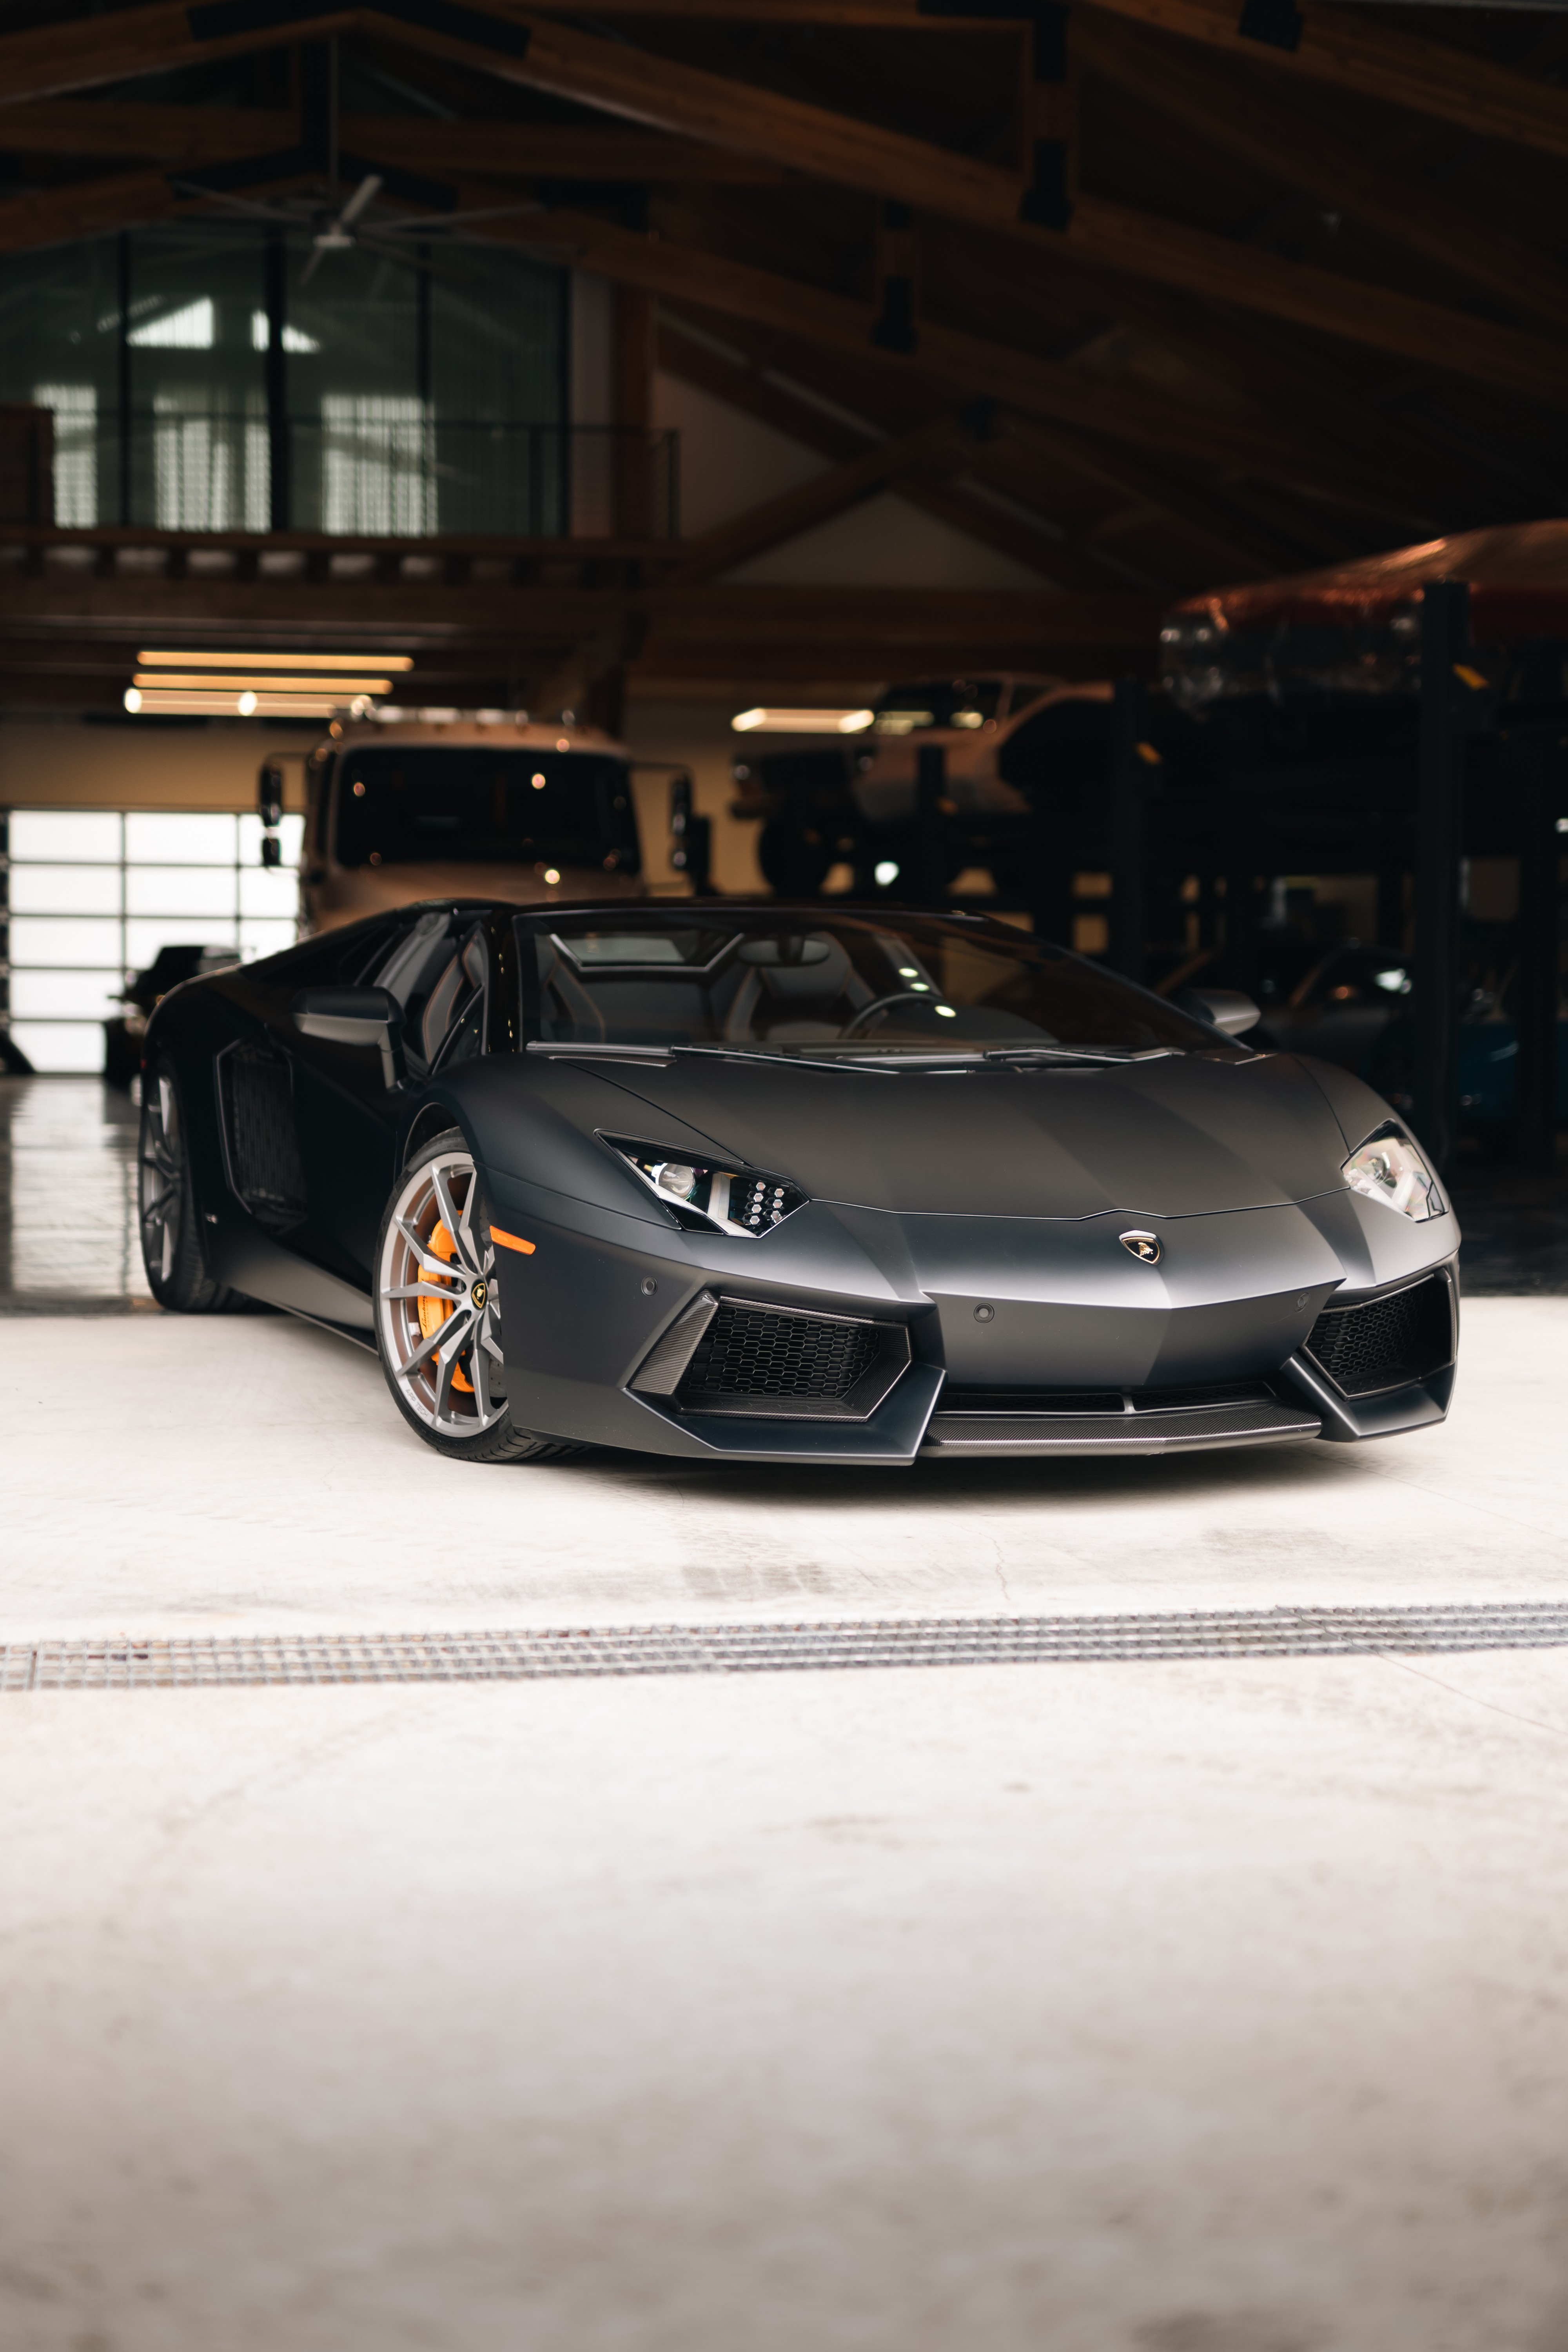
(337, 224)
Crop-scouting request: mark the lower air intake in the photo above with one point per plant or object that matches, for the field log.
(1387, 1343)
(781, 1360)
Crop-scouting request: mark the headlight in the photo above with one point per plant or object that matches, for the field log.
(1389, 1168)
(702, 1195)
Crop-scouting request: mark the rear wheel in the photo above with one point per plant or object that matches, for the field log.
(438, 1313)
(170, 1249)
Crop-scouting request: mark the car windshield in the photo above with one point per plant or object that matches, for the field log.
(467, 806)
(821, 986)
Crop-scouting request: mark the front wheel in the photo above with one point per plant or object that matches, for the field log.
(170, 1249)
(438, 1313)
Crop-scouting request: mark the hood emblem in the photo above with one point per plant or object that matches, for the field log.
(1146, 1247)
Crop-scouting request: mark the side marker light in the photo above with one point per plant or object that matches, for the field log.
(511, 1241)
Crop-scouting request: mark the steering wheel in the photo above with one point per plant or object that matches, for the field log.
(898, 996)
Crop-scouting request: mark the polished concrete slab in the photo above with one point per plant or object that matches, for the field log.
(1125, 2007)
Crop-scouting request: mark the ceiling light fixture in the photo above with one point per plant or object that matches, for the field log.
(204, 682)
(765, 721)
(248, 661)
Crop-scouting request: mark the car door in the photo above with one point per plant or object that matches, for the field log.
(346, 1115)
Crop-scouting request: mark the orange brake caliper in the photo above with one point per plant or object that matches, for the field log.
(433, 1313)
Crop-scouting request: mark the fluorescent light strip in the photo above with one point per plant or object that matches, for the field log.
(800, 722)
(196, 681)
(233, 660)
(152, 705)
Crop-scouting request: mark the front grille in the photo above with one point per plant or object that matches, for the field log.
(1077, 1403)
(264, 1153)
(1387, 1343)
(751, 1356)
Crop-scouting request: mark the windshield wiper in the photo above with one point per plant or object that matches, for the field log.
(1115, 1054)
(759, 1054)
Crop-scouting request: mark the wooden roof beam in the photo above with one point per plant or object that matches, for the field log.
(688, 100)
(1040, 545)
(1351, 50)
(1310, 156)
(953, 360)
(193, 135)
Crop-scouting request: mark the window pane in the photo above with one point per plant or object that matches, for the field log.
(198, 384)
(57, 834)
(51, 940)
(144, 938)
(268, 891)
(180, 840)
(62, 1047)
(61, 995)
(59, 338)
(265, 938)
(180, 890)
(65, 889)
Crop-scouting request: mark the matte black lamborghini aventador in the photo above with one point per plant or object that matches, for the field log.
(809, 1183)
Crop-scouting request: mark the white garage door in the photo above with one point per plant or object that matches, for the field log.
(95, 893)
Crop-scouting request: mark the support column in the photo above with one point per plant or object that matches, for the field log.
(930, 795)
(1128, 884)
(637, 339)
(1445, 635)
(1542, 794)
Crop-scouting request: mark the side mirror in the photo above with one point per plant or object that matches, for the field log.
(353, 1017)
(269, 807)
(1222, 1008)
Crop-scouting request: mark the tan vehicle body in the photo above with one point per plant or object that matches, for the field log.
(332, 893)
(884, 788)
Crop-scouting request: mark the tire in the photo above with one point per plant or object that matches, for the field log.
(450, 1390)
(171, 1244)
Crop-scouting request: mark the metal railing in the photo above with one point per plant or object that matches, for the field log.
(376, 467)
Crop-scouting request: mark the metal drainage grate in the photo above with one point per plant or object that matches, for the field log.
(548, 1653)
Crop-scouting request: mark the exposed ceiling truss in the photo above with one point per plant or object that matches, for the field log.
(1124, 290)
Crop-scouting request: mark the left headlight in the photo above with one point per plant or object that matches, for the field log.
(712, 1198)
(1389, 1168)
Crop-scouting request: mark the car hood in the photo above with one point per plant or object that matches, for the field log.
(1186, 1136)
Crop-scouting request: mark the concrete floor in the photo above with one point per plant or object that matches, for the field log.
(1120, 2008)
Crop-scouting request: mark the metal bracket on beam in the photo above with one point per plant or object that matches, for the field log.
(894, 329)
(1047, 201)
(1278, 24)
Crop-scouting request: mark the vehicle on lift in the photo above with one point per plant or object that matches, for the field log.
(1003, 743)
(401, 808)
(718, 1180)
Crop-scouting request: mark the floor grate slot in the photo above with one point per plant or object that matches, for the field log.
(551, 1653)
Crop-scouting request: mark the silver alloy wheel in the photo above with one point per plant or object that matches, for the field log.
(161, 1178)
(447, 1360)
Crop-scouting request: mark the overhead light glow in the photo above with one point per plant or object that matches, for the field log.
(204, 682)
(153, 702)
(231, 660)
(885, 875)
(764, 720)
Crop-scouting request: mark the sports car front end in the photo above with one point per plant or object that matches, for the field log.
(793, 1184)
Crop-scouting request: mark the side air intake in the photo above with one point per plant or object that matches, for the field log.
(1386, 1343)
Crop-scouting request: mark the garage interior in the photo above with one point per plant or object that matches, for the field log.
(616, 1904)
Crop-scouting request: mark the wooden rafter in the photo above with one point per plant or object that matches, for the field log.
(1110, 409)
(1351, 51)
(1305, 152)
(1030, 539)
(193, 135)
(941, 445)
(691, 102)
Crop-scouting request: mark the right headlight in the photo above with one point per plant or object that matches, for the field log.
(702, 1193)
(1389, 1168)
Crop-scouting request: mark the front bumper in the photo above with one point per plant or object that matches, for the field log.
(1003, 1320)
